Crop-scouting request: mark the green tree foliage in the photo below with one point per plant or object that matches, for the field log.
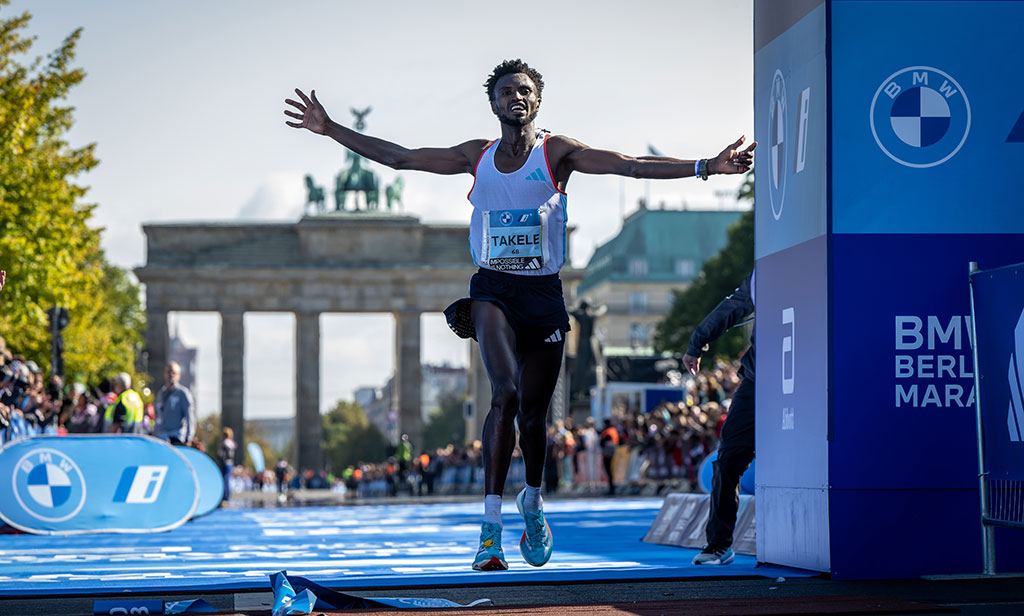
(105, 334)
(350, 438)
(51, 254)
(445, 424)
(719, 277)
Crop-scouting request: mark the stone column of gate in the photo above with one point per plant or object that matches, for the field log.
(232, 375)
(308, 447)
(408, 377)
(157, 343)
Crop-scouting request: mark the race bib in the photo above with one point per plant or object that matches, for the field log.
(514, 240)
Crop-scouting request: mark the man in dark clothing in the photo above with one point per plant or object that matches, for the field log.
(609, 443)
(736, 448)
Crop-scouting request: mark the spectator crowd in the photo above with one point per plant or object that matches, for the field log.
(31, 404)
(643, 453)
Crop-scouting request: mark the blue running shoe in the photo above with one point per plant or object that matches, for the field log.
(490, 556)
(536, 543)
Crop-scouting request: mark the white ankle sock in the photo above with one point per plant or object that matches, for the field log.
(532, 500)
(492, 509)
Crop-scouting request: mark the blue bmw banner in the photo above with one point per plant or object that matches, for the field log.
(95, 483)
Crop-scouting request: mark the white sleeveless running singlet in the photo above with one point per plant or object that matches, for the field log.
(518, 222)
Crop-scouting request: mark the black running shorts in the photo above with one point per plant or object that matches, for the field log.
(533, 305)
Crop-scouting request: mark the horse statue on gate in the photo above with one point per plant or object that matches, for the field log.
(315, 195)
(356, 179)
(393, 193)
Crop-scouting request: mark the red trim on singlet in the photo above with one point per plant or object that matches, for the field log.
(478, 167)
(548, 163)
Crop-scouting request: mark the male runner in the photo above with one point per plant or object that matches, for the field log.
(515, 309)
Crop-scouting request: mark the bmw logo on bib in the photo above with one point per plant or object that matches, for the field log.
(506, 218)
(49, 485)
(920, 116)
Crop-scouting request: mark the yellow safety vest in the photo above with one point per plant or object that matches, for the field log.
(132, 406)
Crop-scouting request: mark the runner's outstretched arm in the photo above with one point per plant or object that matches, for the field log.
(571, 155)
(311, 115)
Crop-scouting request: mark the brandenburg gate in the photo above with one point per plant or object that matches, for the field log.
(334, 262)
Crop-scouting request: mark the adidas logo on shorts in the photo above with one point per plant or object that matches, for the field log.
(555, 337)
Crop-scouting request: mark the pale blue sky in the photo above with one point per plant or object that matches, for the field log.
(184, 100)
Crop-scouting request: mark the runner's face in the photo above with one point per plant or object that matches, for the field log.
(515, 100)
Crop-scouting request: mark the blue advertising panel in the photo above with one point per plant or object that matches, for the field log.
(792, 367)
(791, 428)
(903, 442)
(924, 110)
(656, 396)
(95, 483)
(999, 326)
(790, 127)
(903, 406)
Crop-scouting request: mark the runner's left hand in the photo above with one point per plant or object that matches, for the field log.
(732, 159)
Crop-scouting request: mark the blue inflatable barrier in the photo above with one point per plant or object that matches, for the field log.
(211, 481)
(95, 483)
(707, 472)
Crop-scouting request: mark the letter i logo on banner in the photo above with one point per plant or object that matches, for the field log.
(803, 108)
(140, 484)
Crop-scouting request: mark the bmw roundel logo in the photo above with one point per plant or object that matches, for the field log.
(920, 116)
(49, 485)
(506, 218)
(777, 140)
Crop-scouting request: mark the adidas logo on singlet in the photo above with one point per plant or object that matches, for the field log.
(537, 175)
(555, 337)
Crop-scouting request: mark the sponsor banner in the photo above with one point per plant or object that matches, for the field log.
(921, 112)
(95, 483)
(791, 332)
(790, 128)
(209, 478)
(999, 325)
(902, 369)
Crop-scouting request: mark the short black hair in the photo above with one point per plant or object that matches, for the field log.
(513, 66)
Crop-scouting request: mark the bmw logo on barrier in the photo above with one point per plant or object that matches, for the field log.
(920, 116)
(777, 140)
(49, 485)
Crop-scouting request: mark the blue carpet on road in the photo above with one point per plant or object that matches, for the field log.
(350, 548)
